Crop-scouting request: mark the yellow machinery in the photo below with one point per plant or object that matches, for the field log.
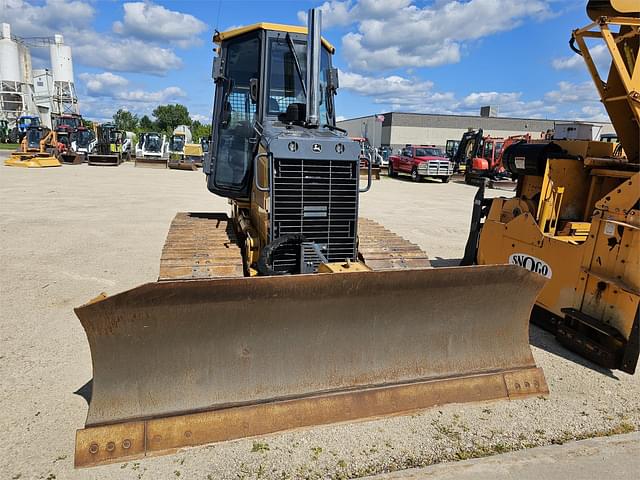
(190, 158)
(292, 311)
(575, 218)
(35, 150)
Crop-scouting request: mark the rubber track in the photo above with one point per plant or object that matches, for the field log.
(200, 245)
(204, 245)
(381, 249)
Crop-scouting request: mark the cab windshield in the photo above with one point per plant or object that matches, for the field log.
(83, 138)
(34, 135)
(429, 152)
(177, 143)
(153, 143)
(285, 81)
(71, 122)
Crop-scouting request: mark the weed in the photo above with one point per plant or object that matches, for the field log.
(316, 451)
(260, 447)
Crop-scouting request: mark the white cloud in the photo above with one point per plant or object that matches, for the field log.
(31, 20)
(334, 13)
(478, 99)
(397, 93)
(123, 55)
(201, 118)
(90, 48)
(148, 21)
(599, 53)
(103, 83)
(107, 84)
(400, 33)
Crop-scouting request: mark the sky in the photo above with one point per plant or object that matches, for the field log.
(435, 56)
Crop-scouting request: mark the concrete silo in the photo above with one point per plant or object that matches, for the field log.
(12, 98)
(64, 99)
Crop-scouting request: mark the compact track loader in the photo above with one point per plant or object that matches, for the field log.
(38, 149)
(575, 218)
(291, 311)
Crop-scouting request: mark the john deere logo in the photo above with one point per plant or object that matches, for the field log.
(317, 147)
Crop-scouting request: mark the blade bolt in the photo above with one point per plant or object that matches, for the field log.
(111, 447)
(126, 443)
(93, 448)
(188, 434)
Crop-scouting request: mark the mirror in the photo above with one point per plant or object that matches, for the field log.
(332, 79)
(253, 90)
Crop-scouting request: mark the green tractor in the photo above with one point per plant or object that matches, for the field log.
(4, 131)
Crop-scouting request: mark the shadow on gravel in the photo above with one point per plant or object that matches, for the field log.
(544, 340)
(445, 262)
(406, 178)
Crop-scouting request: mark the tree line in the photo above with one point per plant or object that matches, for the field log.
(165, 119)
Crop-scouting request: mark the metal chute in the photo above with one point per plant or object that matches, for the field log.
(168, 351)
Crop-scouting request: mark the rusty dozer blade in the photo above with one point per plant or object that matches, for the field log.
(183, 363)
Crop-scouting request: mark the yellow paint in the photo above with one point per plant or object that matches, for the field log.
(32, 161)
(586, 227)
(277, 27)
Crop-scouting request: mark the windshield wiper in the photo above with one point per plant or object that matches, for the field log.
(292, 48)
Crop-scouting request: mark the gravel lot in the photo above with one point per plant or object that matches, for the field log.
(70, 233)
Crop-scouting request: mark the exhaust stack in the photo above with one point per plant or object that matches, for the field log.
(313, 67)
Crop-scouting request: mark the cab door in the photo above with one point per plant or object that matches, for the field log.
(406, 159)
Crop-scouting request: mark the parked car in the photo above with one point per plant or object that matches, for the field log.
(421, 161)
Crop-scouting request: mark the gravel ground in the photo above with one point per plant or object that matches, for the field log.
(70, 233)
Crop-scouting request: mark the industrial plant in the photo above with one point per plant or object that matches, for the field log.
(34, 97)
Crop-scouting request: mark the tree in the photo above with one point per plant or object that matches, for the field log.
(198, 130)
(169, 117)
(125, 120)
(146, 124)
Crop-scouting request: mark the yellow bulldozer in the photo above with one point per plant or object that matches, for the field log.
(575, 217)
(290, 310)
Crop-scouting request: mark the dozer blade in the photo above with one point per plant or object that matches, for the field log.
(71, 158)
(104, 160)
(183, 363)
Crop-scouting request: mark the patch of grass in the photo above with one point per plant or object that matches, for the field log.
(260, 447)
(342, 464)
(9, 146)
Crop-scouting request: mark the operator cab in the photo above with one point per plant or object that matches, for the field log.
(256, 98)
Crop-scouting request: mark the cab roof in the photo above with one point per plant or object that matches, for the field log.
(219, 37)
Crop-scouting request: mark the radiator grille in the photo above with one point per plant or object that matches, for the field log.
(318, 199)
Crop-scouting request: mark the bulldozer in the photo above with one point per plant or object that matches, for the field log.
(575, 218)
(290, 310)
(38, 148)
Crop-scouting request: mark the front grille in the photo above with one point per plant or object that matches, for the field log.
(318, 199)
(436, 168)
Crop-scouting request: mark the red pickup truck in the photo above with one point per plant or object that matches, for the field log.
(421, 161)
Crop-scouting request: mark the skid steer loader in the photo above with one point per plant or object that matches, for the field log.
(292, 311)
(575, 218)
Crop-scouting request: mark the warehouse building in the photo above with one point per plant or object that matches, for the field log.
(396, 129)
